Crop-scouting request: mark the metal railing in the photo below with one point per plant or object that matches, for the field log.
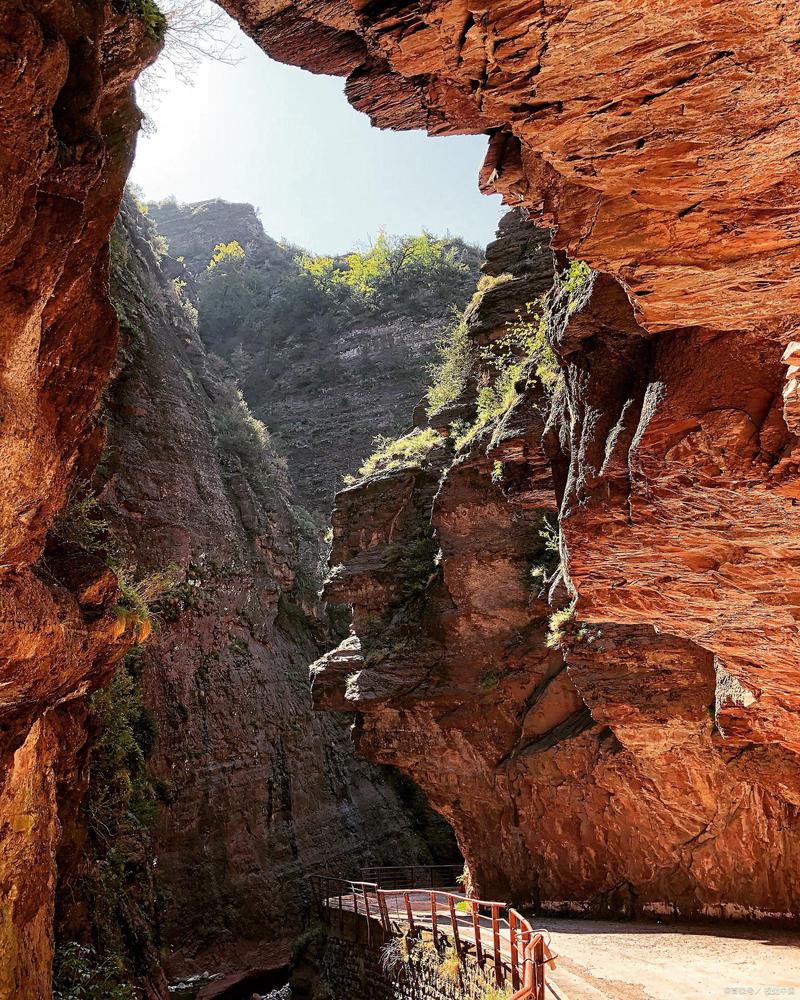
(419, 876)
(535, 954)
(492, 931)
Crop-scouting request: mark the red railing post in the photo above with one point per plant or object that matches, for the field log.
(512, 934)
(409, 914)
(476, 928)
(369, 917)
(384, 910)
(454, 922)
(498, 961)
(537, 957)
(434, 927)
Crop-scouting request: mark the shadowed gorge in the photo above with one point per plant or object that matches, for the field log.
(570, 559)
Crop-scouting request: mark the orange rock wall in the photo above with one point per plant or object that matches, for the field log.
(69, 122)
(603, 776)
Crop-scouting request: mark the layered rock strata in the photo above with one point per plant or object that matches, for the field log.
(586, 761)
(655, 139)
(326, 383)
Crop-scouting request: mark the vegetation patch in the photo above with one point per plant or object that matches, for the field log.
(504, 363)
(576, 281)
(148, 12)
(229, 253)
(408, 275)
(488, 680)
(456, 360)
(400, 453)
(78, 974)
(115, 885)
(549, 558)
(496, 993)
(139, 598)
(415, 565)
(559, 625)
(81, 522)
(245, 445)
(450, 966)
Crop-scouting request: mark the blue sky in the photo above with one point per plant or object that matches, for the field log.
(289, 143)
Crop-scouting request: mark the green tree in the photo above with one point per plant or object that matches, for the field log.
(225, 253)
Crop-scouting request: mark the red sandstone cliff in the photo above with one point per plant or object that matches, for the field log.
(656, 142)
(596, 773)
(660, 143)
(69, 121)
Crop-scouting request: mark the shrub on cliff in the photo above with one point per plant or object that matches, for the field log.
(121, 792)
(411, 449)
(78, 974)
(226, 253)
(245, 445)
(140, 595)
(80, 521)
(450, 373)
(148, 12)
(115, 885)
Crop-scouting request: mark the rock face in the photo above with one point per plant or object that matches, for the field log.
(325, 382)
(655, 143)
(639, 132)
(259, 790)
(69, 121)
(592, 766)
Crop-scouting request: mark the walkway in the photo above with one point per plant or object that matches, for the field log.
(608, 960)
(496, 936)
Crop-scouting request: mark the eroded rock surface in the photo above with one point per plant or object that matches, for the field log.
(325, 379)
(69, 121)
(656, 139)
(598, 772)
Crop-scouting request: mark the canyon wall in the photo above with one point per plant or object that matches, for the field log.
(255, 789)
(585, 765)
(655, 144)
(69, 119)
(324, 378)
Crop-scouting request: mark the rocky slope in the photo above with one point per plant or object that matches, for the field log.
(256, 790)
(585, 764)
(325, 378)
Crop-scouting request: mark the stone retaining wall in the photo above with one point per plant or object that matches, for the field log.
(353, 969)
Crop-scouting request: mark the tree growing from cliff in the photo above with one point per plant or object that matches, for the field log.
(226, 253)
(194, 31)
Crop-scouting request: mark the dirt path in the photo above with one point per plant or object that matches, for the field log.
(604, 960)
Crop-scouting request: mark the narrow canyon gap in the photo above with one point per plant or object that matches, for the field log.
(660, 147)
